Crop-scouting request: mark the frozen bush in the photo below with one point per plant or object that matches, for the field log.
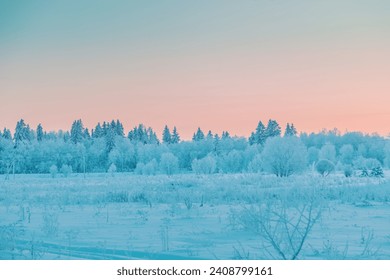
(112, 169)
(150, 168)
(66, 170)
(256, 164)
(348, 171)
(284, 156)
(206, 165)
(377, 172)
(139, 168)
(53, 171)
(169, 164)
(325, 167)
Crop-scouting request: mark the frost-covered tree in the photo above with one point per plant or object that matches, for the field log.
(77, 132)
(169, 163)
(22, 133)
(259, 136)
(290, 130)
(98, 131)
(40, 133)
(206, 165)
(166, 135)
(347, 154)
(7, 134)
(284, 156)
(273, 129)
(175, 136)
(198, 136)
(123, 154)
(225, 134)
(328, 151)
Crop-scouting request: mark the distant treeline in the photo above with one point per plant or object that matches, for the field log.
(108, 148)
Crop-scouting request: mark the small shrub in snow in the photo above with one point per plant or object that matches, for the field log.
(112, 169)
(66, 170)
(348, 171)
(377, 172)
(325, 167)
(53, 171)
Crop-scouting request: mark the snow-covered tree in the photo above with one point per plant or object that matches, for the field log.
(259, 135)
(169, 163)
(175, 136)
(77, 132)
(22, 133)
(198, 136)
(40, 133)
(284, 156)
(166, 136)
(273, 129)
(290, 130)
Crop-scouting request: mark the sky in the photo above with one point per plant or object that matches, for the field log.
(215, 64)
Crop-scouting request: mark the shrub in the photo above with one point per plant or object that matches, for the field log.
(325, 167)
(66, 170)
(377, 172)
(206, 165)
(53, 171)
(112, 169)
(348, 171)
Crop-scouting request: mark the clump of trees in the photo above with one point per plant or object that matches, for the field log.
(268, 150)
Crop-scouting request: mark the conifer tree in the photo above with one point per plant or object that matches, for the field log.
(22, 133)
(77, 132)
(40, 133)
(166, 136)
(273, 129)
(198, 136)
(209, 135)
(175, 136)
(290, 130)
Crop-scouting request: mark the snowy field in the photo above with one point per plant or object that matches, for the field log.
(188, 216)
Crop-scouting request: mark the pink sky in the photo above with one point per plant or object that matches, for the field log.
(338, 78)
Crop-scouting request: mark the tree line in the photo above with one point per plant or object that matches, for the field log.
(107, 147)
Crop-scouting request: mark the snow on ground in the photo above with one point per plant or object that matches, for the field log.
(192, 217)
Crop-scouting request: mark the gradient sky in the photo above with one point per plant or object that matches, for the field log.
(220, 65)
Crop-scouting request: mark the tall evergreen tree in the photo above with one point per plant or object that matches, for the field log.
(273, 129)
(40, 133)
(198, 136)
(259, 135)
(22, 133)
(98, 131)
(77, 132)
(290, 130)
(175, 136)
(7, 134)
(225, 134)
(119, 128)
(166, 135)
(209, 135)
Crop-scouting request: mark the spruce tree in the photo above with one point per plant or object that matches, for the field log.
(273, 129)
(290, 130)
(199, 135)
(77, 132)
(40, 133)
(175, 136)
(7, 134)
(166, 136)
(22, 133)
